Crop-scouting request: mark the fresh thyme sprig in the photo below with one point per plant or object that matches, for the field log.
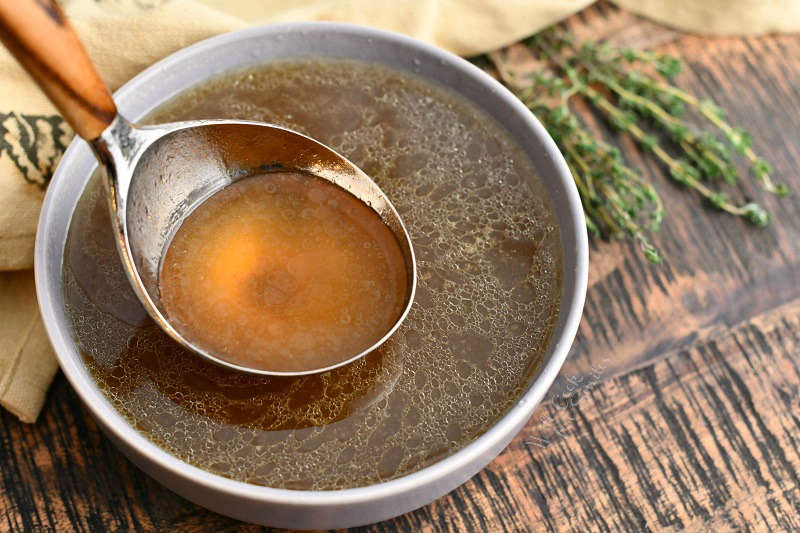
(675, 100)
(633, 90)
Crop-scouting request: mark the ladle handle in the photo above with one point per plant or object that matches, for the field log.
(39, 35)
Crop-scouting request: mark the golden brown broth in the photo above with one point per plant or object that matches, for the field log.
(283, 272)
(488, 254)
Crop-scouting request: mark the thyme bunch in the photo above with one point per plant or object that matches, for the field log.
(634, 91)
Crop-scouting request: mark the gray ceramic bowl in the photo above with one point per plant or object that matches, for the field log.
(312, 509)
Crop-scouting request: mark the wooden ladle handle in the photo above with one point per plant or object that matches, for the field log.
(39, 35)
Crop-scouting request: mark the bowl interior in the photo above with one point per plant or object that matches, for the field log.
(262, 45)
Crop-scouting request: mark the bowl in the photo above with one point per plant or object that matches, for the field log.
(297, 508)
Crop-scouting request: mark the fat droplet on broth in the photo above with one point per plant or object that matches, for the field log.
(480, 324)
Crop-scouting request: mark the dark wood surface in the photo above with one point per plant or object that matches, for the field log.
(679, 407)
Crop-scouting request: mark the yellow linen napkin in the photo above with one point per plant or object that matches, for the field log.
(125, 36)
(26, 362)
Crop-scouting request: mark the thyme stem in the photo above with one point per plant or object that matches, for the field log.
(617, 199)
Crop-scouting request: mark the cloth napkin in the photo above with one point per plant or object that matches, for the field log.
(125, 36)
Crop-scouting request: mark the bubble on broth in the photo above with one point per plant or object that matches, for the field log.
(488, 254)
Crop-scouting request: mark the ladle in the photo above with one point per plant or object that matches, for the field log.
(156, 175)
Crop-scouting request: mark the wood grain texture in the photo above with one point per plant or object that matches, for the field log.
(705, 438)
(41, 38)
(719, 270)
(679, 408)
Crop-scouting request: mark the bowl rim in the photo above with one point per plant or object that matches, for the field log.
(516, 415)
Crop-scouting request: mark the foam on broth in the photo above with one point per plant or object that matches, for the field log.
(488, 254)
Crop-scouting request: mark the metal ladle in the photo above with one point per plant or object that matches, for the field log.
(156, 175)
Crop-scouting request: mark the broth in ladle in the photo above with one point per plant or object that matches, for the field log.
(283, 272)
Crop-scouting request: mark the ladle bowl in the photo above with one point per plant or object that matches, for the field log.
(155, 176)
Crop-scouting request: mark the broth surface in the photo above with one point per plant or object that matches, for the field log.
(283, 272)
(488, 258)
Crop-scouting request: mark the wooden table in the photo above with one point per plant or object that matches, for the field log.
(678, 408)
